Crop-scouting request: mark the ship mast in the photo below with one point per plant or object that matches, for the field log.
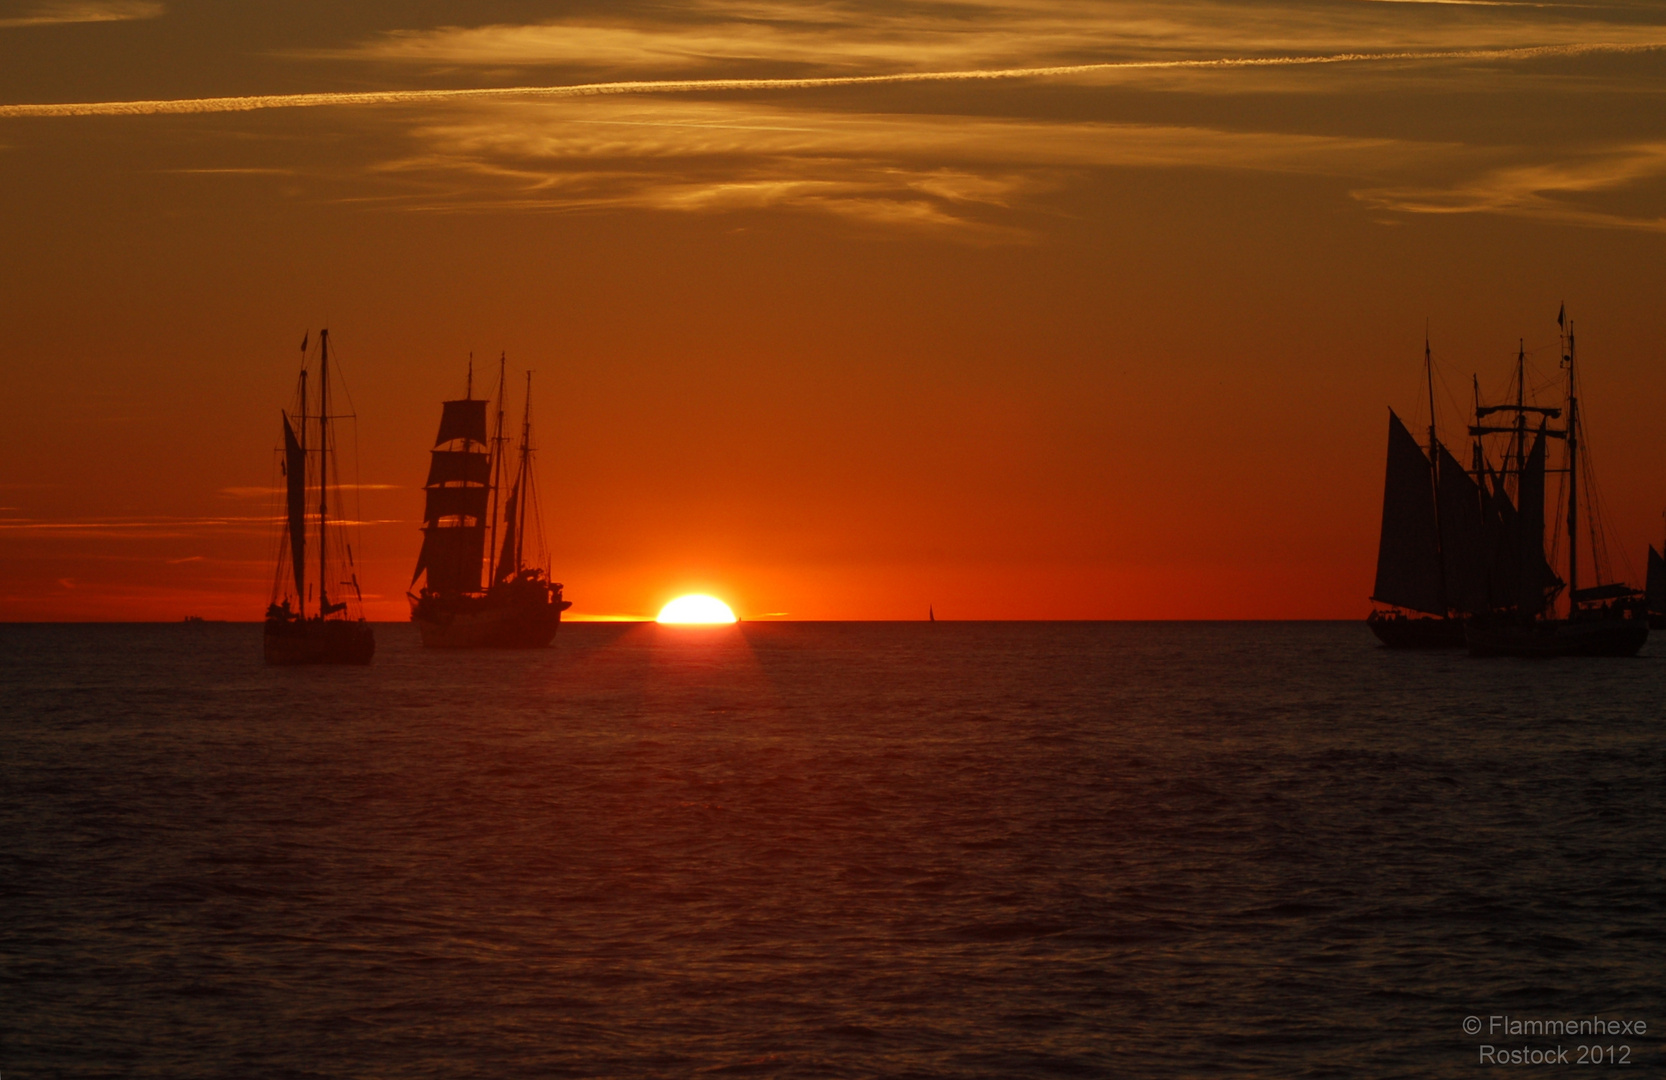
(1434, 471)
(496, 469)
(1573, 468)
(1517, 432)
(521, 478)
(1521, 416)
(323, 464)
(1475, 457)
(301, 560)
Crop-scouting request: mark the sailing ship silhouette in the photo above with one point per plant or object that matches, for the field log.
(518, 606)
(334, 632)
(1462, 560)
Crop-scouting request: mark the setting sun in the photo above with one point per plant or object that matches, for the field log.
(696, 609)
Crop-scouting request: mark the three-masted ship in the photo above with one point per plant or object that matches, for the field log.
(469, 531)
(298, 630)
(1463, 557)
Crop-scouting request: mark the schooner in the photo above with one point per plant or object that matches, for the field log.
(299, 631)
(1462, 557)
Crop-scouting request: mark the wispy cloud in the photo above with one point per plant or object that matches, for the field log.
(264, 492)
(252, 103)
(907, 170)
(1560, 191)
(828, 36)
(84, 11)
(172, 528)
(745, 130)
(130, 528)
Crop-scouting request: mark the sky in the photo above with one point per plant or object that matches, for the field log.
(836, 310)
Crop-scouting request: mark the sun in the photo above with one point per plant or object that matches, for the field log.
(696, 608)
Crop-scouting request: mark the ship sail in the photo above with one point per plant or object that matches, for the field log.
(451, 557)
(1462, 537)
(455, 502)
(1531, 571)
(1655, 584)
(1500, 530)
(1518, 576)
(456, 494)
(458, 467)
(454, 539)
(506, 567)
(1408, 552)
(295, 473)
(465, 419)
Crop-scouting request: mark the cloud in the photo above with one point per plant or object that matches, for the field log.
(1558, 191)
(131, 528)
(252, 103)
(737, 140)
(85, 11)
(161, 528)
(830, 36)
(264, 492)
(921, 172)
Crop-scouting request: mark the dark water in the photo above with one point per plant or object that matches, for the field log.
(981, 850)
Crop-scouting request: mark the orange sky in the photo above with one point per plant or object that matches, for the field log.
(1109, 339)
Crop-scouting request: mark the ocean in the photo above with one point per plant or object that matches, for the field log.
(827, 850)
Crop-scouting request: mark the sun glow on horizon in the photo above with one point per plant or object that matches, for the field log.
(696, 608)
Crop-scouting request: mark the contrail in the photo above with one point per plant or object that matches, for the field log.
(683, 86)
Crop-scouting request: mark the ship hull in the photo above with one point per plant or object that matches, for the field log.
(508, 617)
(1558, 637)
(319, 641)
(1399, 632)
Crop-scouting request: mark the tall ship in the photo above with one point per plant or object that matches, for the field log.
(483, 587)
(303, 624)
(1602, 618)
(1465, 557)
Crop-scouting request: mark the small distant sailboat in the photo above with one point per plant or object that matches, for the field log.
(519, 606)
(931, 613)
(335, 632)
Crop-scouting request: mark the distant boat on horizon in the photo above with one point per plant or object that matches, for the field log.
(337, 632)
(518, 606)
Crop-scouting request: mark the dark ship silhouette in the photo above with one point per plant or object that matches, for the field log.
(518, 606)
(335, 633)
(1462, 555)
